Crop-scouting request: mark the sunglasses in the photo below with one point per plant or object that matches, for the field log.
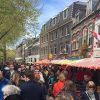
(91, 87)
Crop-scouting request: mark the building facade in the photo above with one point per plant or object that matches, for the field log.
(19, 56)
(55, 35)
(28, 50)
(33, 51)
(83, 31)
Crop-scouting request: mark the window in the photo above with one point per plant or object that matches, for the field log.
(46, 49)
(89, 7)
(94, 3)
(58, 18)
(80, 42)
(51, 36)
(60, 32)
(66, 31)
(85, 35)
(67, 48)
(61, 47)
(56, 35)
(41, 39)
(51, 49)
(65, 14)
(55, 49)
(90, 36)
(98, 45)
(44, 39)
(99, 30)
(77, 18)
(51, 22)
(54, 21)
(31, 60)
(34, 59)
(47, 37)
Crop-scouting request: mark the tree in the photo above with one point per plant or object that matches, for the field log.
(15, 16)
(11, 54)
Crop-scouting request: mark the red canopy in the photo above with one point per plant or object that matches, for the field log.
(92, 63)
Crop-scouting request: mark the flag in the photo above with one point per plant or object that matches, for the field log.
(96, 35)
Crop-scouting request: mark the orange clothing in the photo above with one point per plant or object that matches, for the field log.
(57, 88)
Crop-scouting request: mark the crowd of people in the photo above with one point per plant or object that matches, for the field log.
(52, 82)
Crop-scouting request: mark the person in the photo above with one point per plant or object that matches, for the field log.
(3, 82)
(6, 72)
(46, 76)
(50, 98)
(51, 78)
(12, 70)
(15, 79)
(37, 79)
(21, 71)
(87, 78)
(37, 71)
(64, 97)
(11, 92)
(30, 90)
(90, 93)
(58, 86)
(70, 89)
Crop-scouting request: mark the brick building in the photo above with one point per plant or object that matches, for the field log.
(82, 30)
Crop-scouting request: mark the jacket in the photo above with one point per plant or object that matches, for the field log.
(57, 88)
(84, 96)
(32, 91)
(3, 82)
(14, 97)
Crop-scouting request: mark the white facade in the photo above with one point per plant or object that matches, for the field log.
(32, 58)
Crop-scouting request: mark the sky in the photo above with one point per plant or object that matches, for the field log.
(51, 8)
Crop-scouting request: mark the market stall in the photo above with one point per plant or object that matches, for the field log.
(43, 62)
(62, 62)
(92, 63)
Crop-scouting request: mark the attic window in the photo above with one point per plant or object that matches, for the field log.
(65, 14)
